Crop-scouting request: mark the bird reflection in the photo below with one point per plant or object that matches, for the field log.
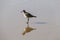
(28, 29)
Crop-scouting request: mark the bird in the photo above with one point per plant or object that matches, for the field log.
(27, 15)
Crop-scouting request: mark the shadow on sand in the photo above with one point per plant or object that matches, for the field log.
(40, 22)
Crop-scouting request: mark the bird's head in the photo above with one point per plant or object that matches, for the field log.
(24, 11)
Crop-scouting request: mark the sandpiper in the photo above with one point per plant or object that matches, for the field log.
(28, 15)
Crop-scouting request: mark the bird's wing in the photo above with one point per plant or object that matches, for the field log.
(28, 14)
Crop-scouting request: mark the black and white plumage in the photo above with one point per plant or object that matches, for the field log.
(28, 15)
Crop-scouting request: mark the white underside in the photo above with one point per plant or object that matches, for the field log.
(24, 15)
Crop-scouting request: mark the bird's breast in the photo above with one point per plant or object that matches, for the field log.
(24, 15)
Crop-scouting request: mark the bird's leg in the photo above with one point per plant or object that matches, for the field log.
(28, 22)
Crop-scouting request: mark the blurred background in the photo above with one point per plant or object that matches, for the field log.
(12, 21)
